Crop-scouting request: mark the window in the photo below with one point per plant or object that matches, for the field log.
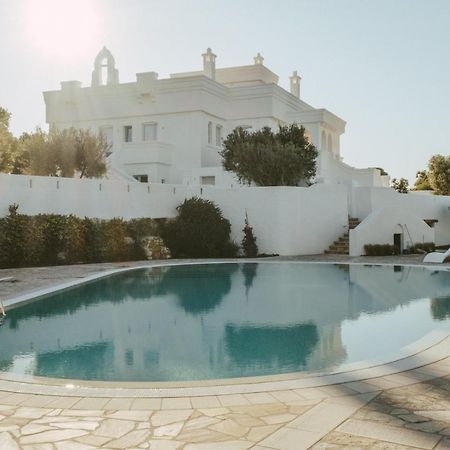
(141, 178)
(107, 134)
(209, 132)
(330, 142)
(218, 135)
(209, 180)
(247, 128)
(323, 141)
(150, 131)
(128, 133)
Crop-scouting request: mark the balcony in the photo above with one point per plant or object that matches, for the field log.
(151, 152)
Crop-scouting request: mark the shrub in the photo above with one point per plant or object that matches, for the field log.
(380, 250)
(14, 230)
(49, 239)
(93, 238)
(116, 245)
(249, 241)
(199, 231)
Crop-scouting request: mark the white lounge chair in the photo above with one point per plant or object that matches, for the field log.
(436, 257)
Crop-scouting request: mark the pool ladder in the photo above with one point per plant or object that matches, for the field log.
(2, 310)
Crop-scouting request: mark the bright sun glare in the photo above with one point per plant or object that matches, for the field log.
(62, 29)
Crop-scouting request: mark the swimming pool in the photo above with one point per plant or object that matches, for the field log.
(224, 320)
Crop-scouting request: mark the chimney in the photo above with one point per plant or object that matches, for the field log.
(295, 84)
(259, 60)
(209, 64)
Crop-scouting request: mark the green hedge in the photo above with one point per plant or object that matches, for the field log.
(50, 239)
(380, 250)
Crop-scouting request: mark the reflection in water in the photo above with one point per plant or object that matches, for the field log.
(265, 347)
(249, 272)
(199, 292)
(440, 308)
(199, 321)
(89, 361)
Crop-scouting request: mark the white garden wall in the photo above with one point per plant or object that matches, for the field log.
(286, 220)
(336, 171)
(366, 200)
(380, 227)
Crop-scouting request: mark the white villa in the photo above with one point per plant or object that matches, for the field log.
(171, 130)
(165, 137)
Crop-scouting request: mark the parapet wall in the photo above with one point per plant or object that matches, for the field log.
(286, 220)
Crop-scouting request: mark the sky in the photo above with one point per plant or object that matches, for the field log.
(381, 65)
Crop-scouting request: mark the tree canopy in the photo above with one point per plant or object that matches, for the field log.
(437, 177)
(401, 186)
(422, 182)
(7, 141)
(64, 153)
(439, 174)
(265, 158)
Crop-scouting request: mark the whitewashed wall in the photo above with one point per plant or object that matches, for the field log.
(336, 171)
(286, 220)
(365, 200)
(380, 227)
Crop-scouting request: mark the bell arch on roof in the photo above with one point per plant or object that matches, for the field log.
(105, 72)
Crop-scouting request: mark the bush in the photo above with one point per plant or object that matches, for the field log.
(249, 241)
(14, 232)
(380, 250)
(50, 239)
(199, 231)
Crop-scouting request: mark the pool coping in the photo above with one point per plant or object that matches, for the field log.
(430, 349)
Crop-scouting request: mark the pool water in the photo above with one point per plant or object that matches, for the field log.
(190, 322)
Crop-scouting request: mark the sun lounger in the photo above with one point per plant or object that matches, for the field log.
(436, 257)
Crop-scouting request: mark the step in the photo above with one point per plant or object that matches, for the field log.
(337, 246)
(338, 249)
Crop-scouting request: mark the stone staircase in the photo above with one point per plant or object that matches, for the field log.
(342, 245)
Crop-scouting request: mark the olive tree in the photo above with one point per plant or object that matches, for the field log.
(64, 153)
(267, 158)
(439, 174)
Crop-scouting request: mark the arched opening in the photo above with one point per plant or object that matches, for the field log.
(210, 132)
(323, 142)
(104, 72)
(218, 135)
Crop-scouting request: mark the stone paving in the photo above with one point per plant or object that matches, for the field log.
(416, 416)
(403, 410)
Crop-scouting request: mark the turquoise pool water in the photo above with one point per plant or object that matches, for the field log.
(224, 320)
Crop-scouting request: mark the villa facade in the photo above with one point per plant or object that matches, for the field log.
(166, 135)
(171, 130)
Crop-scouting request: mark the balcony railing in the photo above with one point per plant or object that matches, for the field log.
(145, 153)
